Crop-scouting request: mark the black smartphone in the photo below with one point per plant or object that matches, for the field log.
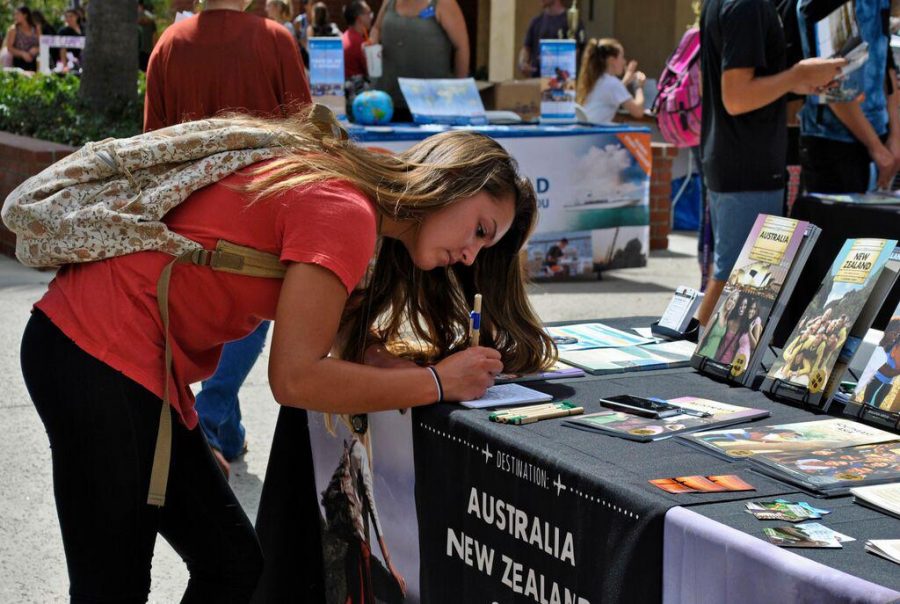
(640, 406)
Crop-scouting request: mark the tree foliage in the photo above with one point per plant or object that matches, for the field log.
(48, 107)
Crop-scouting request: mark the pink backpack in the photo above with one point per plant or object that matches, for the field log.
(678, 101)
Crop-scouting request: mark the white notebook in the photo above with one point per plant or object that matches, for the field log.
(505, 395)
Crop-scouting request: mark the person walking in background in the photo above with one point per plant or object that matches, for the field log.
(604, 79)
(744, 122)
(321, 25)
(23, 39)
(358, 17)
(840, 140)
(146, 33)
(224, 59)
(277, 10)
(551, 24)
(420, 39)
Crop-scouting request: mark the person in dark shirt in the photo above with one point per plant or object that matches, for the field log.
(744, 124)
(73, 27)
(557, 251)
(551, 24)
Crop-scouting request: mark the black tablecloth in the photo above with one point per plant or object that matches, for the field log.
(614, 515)
(839, 222)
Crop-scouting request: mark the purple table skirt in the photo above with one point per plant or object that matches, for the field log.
(707, 562)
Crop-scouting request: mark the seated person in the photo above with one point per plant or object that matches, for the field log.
(551, 259)
(600, 91)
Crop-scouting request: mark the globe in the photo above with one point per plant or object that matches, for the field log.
(372, 107)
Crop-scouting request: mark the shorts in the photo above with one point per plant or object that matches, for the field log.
(732, 216)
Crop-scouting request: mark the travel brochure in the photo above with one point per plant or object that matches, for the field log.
(821, 345)
(889, 549)
(837, 35)
(800, 437)
(810, 534)
(784, 510)
(583, 336)
(833, 471)
(736, 337)
(876, 397)
(558, 371)
(602, 361)
(702, 484)
(443, 101)
(882, 497)
(645, 429)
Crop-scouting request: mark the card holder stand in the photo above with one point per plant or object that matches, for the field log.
(690, 334)
(785, 391)
(879, 417)
(709, 367)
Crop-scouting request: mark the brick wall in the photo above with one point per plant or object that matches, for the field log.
(661, 195)
(21, 157)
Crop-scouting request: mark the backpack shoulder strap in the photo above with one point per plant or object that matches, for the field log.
(227, 257)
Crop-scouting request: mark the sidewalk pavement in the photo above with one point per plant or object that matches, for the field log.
(32, 564)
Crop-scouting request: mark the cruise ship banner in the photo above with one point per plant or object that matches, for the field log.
(593, 188)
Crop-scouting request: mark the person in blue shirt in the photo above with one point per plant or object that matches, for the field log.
(841, 140)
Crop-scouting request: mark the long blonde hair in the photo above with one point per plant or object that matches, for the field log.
(593, 64)
(429, 307)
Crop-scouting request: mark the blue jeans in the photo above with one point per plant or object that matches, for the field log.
(732, 216)
(217, 403)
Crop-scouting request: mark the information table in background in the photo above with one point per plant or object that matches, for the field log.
(592, 182)
(839, 221)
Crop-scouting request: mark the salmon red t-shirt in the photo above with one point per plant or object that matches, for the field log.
(109, 308)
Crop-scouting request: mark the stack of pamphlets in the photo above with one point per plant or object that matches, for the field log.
(603, 361)
(835, 471)
(800, 437)
(645, 429)
(876, 398)
(738, 333)
(811, 534)
(889, 549)
(702, 484)
(781, 509)
(822, 344)
(883, 497)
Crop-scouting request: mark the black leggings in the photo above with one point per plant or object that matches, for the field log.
(102, 429)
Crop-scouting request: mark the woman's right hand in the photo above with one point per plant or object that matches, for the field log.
(466, 375)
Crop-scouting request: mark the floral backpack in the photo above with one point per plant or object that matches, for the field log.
(678, 104)
(108, 199)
